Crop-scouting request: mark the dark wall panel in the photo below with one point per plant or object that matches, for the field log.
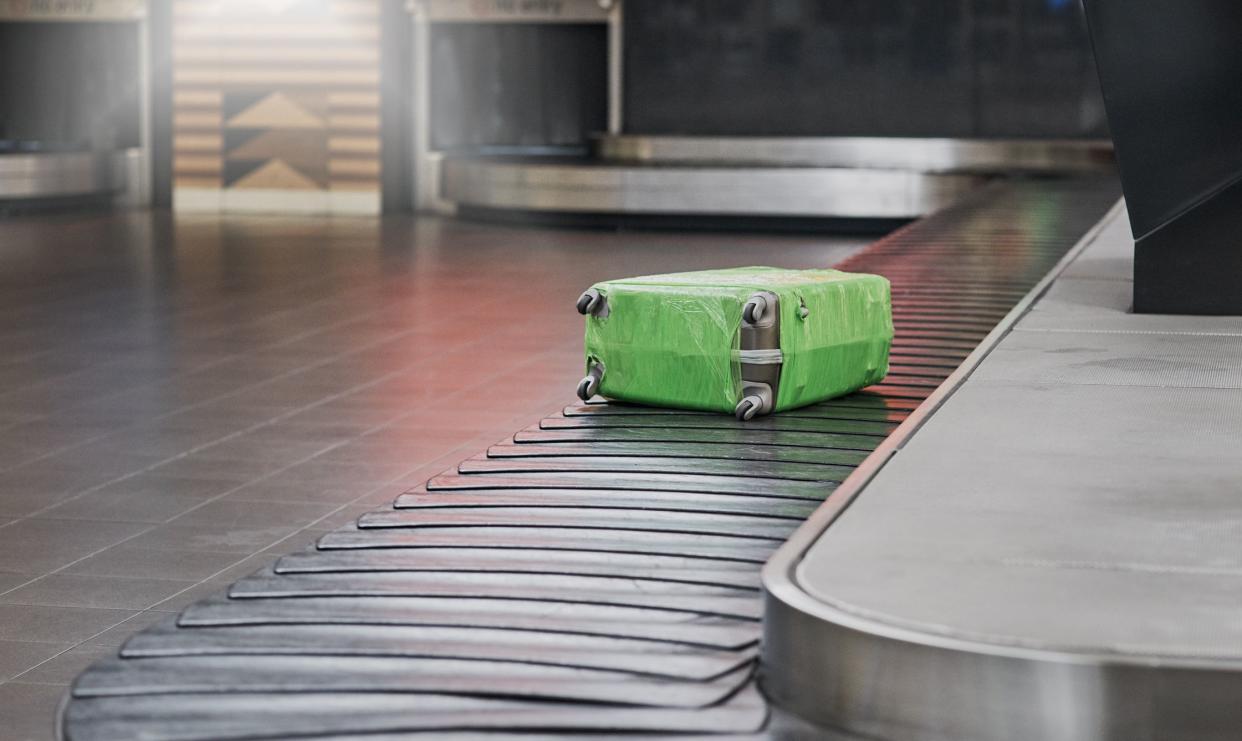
(70, 84)
(396, 106)
(517, 85)
(961, 68)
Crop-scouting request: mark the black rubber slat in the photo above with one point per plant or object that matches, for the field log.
(792, 489)
(912, 380)
(684, 545)
(498, 560)
(937, 354)
(529, 448)
(859, 399)
(916, 360)
(769, 507)
(816, 411)
(983, 322)
(776, 422)
(246, 717)
(302, 673)
(691, 435)
(591, 518)
(863, 399)
(918, 370)
(653, 595)
(775, 470)
(661, 626)
(647, 658)
(902, 391)
(797, 509)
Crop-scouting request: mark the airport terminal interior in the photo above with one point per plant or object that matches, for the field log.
(310, 427)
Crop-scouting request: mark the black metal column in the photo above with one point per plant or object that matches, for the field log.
(396, 107)
(1172, 80)
(160, 39)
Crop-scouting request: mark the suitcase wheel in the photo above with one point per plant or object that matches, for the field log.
(588, 301)
(757, 398)
(752, 311)
(747, 408)
(589, 384)
(587, 387)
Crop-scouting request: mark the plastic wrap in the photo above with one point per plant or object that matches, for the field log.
(673, 340)
(840, 343)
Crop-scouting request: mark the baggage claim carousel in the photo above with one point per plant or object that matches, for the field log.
(37, 173)
(597, 573)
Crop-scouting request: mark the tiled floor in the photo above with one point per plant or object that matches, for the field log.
(183, 400)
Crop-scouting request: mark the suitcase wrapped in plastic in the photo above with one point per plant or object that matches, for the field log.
(744, 340)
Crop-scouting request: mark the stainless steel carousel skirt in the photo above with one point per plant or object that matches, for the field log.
(43, 176)
(597, 573)
(739, 178)
(978, 156)
(596, 187)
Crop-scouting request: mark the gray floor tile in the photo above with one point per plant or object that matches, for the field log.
(347, 516)
(49, 434)
(19, 656)
(233, 471)
(298, 541)
(24, 492)
(119, 633)
(229, 513)
(65, 666)
(79, 590)
(154, 563)
(56, 624)
(197, 593)
(9, 580)
(159, 438)
(239, 537)
(268, 490)
(138, 506)
(78, 469)
(220, 583)
(37, 546)
(358, 474)
(254, 451)
(154, 484)
(29, 710)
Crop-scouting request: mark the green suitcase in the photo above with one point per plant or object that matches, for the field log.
(744, 340)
